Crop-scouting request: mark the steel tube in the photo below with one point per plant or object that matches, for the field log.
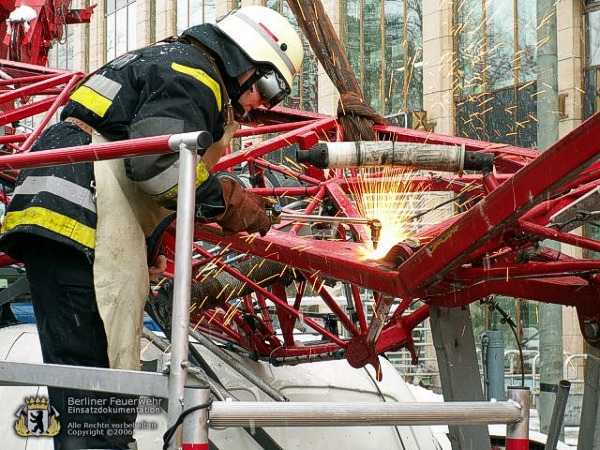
(181, 284)
(195, 424)
(325, 219)
(517, 433)
(84, 153)
(558, 415)
(313, 414)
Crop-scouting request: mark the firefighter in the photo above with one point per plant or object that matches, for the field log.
(80, 229)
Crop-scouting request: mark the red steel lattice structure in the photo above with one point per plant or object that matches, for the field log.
(490, 248)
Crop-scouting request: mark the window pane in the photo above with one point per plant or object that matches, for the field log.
(470, 46)
(110, 38)
(372, 84)
(121, 32)
(352, 36)
(183, 15)
(593, 41)
(500, 43)
(394, 57)
(110, 6)
(209, 11)
(414, 38)
(527, 52)
(491, 103)
(132, 24)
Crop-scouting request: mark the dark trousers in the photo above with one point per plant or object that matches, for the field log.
(72, 333)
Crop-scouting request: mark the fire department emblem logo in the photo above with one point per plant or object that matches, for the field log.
(37, 418)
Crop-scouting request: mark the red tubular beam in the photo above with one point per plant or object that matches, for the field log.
(60, 100)
(272, 144)
(285, 171)
(408, 135)
(309, 350)
(567, 291)
(10, 66)
(287, 191)
(25, 111)
(265, 129)
(399, 332)
(85, 153)
(25, 80)
(556, 235)
(282, 304)
(332, 304)
(555, 167)
(341, 262)
(38, 87)
(529, 269)
(10, 138)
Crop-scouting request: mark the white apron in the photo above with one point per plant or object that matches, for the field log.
(126, 216)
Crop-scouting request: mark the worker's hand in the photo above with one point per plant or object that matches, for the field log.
(157, 267)
(245, 211)
(217, 149)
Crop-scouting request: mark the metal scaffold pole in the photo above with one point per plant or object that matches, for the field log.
(187, 145)
(517, 433)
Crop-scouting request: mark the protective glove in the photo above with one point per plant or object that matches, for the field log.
(245, 211)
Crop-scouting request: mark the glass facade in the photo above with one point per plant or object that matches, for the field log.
(591, 77)
(495, 79)
(384, 43)
(194, 12)
(60, 55)
(121, 27)
(592, 58)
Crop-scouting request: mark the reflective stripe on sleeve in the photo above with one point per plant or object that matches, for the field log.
(97, 94)
(168, 184)
(50, 220)
(62, 188)
(203, 78)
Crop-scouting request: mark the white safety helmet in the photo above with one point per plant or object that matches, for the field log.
(266, 37)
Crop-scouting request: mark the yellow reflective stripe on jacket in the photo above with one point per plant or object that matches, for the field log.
(170, 196)
(91, 100)
(50, 220)
(203, 78)
(97, 94)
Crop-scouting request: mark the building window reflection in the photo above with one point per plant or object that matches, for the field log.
(121, 27)
(384, 43)
(496, 70)
(194, 12)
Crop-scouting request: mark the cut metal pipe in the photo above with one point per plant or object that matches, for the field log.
(447, 158)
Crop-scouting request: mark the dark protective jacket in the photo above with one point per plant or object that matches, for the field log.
(170, 87)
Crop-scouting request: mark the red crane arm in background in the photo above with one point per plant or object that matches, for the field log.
(30, 27)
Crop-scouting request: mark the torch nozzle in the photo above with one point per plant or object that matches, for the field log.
(376, 227)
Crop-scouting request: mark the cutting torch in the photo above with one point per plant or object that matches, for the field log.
(277, 215)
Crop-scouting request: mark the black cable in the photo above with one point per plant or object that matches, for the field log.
(171, 431)
(508, 319)
(382, 397)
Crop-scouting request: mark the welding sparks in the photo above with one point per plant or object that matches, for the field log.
(385, 198)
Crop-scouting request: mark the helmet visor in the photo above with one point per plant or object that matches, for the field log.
(272, 88)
